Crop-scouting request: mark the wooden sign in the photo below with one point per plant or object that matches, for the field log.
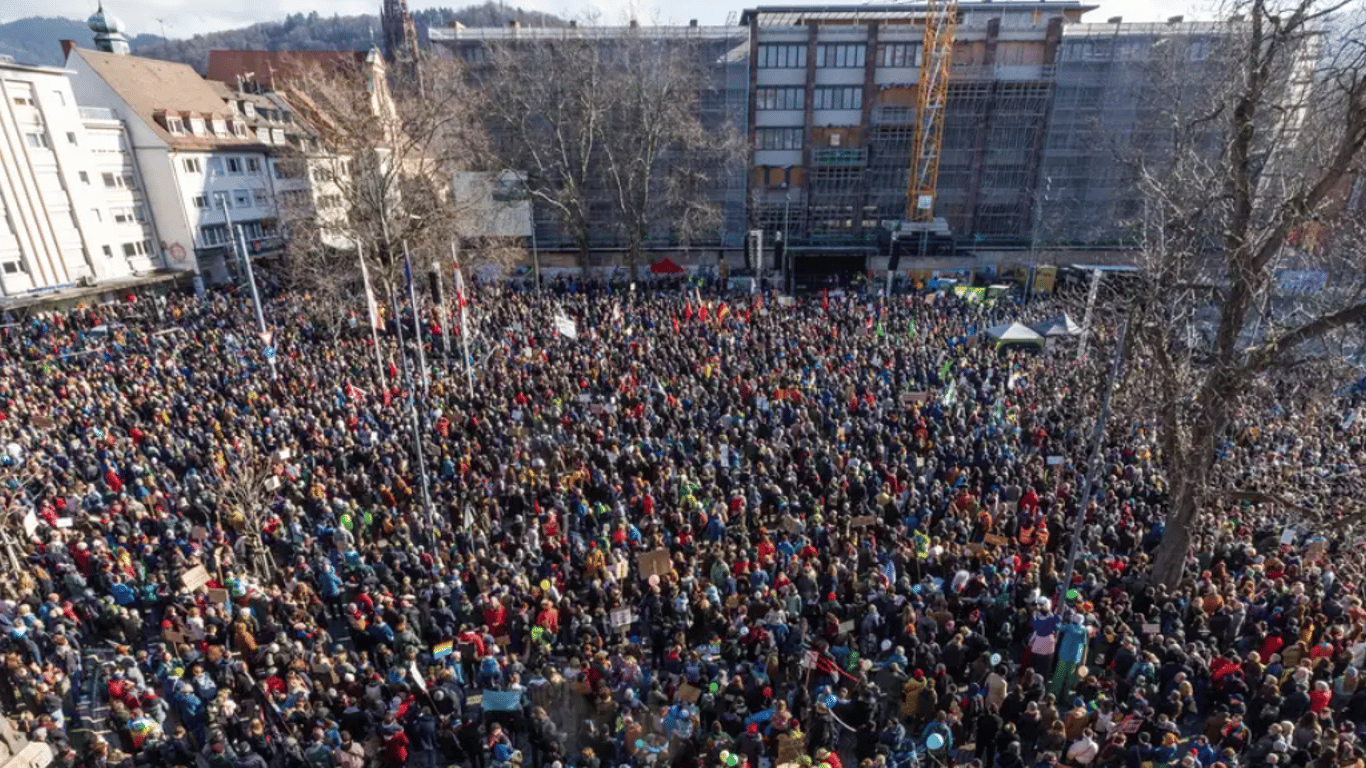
(173, 637)
(656, 563)
(194, 578)
(846, 626)
(219, 596)
(911, 398)
(43, 422)
(863, 521)
(688, 693)
(996, 540)
(790, 748)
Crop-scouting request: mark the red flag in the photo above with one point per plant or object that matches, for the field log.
(825, 300)
(353, 392)
(675, 325)
(687, 311)
(388, 397)
(702, 313)
(393, 374)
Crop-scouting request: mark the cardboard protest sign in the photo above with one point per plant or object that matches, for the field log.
(194, 578)
(655, 563)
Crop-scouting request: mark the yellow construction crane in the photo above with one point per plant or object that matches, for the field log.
(941, 22)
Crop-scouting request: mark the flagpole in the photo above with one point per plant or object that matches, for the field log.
(417, 314)
(460, 302)
(370, 309)
(444, 317)
(413, 412)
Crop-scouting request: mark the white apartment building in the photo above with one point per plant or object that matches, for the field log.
(71, 202)
(202, 153)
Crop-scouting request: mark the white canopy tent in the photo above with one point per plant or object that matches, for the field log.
(1062, 325)
(1015, 333)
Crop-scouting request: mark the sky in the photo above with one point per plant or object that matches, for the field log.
(183, 18)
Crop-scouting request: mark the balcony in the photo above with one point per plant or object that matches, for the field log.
(98, 113)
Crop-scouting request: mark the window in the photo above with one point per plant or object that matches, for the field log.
(839, 98)
(898, 55)
(249, 109)
(779, 98)
(239, 129)
(234, 165)
(23, 101)
(214, 234)
(215, 166)
(201, 202)
(38, 140)
(192, 165)
(241, 198)
(779, 138)
(175, 125)
(13, 267)
(108, 252)
(260, 198)
(110, 180)
(130, 249)
(84, 177)
(842, 55)
(121, 215)
(220, 126)
(140, 214)
(197, 126)
(220, 199)
(782, 56)
(71, 138)
(130, 181)
(323, 174)
(253, 165)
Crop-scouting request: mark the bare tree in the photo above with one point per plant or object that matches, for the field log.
(1263, 158)
(380, 169)
(618, 139)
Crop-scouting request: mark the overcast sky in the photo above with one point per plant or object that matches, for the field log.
(183, 18)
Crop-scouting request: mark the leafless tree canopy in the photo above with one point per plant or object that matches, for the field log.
(1248, 197)
(381, 170)
(616, 130)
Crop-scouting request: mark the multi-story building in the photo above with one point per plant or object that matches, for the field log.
(201, 151)
(74, 212)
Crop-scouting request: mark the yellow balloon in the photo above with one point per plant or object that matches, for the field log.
(545, 585)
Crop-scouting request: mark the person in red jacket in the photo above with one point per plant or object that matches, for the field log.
(394, 750)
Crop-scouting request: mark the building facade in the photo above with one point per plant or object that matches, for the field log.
(74, 213)
(205, 155)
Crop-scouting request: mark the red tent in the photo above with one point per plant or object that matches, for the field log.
(666, 267)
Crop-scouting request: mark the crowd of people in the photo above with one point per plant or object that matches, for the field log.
(707, 531)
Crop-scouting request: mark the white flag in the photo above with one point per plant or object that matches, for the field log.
(371, 309)
(565, 327)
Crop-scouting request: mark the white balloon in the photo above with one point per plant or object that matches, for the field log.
(935, 741)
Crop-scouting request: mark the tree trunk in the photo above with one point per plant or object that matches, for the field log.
(1169, 563)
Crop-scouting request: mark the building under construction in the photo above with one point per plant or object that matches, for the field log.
(924, 128)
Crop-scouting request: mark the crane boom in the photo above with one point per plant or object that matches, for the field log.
(941, 23)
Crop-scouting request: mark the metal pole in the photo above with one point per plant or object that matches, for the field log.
(535, 259)
(245, 258)
(417, 314)
(786, 266)
(461, 301)
(443, 316)
(370, 310)
(414, 414)
(1097, 437)
(1090, 307)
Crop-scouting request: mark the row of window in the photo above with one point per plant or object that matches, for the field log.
(824, 97)
(217, 234)
(779, 138)
(220, 165)
(237, 198)
(197, 126)
(120, 181)
(836, 55)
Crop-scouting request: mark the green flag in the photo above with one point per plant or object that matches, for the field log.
(880, 330)
(944, 370)
(911, 330)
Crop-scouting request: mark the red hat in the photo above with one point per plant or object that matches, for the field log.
(753, 727)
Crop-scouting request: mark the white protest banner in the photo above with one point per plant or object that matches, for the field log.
(565, 327)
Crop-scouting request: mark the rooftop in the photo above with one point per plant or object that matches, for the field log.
(796, 15)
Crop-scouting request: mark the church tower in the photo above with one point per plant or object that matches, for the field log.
(400, 37)
(109, 36)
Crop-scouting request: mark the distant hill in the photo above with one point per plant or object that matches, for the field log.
(34, 40)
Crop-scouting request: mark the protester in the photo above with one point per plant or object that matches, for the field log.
(709, 530)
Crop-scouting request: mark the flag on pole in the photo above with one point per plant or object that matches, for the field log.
(722, 312)
(922, 544)
(911, 330)
(371, 307)
(945, 368)
(353, 392)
